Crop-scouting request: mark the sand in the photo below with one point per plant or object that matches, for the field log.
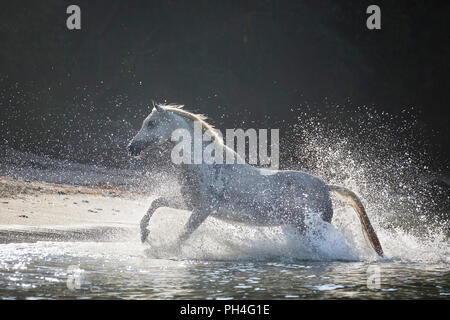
(34, 210)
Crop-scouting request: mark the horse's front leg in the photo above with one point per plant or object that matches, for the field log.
(195, 220)
(157, 203)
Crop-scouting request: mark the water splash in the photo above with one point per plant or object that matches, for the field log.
(388, 167)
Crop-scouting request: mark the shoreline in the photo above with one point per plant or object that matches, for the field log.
(33, 211)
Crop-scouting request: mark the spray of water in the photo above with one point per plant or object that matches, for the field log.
(385, 161)
(386, 166)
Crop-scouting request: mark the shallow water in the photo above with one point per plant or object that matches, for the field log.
(232, 261)
(271, 265)
(88, 270)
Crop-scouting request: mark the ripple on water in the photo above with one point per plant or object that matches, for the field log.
(111, 270)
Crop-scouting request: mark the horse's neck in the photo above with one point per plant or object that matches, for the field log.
(199, 169)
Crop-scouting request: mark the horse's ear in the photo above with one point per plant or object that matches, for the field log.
(158, 107)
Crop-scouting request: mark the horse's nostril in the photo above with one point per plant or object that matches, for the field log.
(133, 150)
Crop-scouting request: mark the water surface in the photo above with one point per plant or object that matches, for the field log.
(121, 270)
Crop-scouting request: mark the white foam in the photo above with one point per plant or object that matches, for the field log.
(218, 240)
(342, 240)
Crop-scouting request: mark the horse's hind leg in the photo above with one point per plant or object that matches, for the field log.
(327, 210)
(157, 203)
(301, 221)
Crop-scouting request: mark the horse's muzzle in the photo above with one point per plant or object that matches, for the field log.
(134, 149)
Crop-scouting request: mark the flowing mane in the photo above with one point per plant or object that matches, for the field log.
(178, 109)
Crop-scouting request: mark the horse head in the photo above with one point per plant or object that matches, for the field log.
(156, 129)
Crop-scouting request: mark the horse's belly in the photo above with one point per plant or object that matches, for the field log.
(282, 198)
(283, 201)
(253, 217)
(259, 211)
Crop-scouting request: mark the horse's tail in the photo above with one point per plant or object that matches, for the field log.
(353, 200)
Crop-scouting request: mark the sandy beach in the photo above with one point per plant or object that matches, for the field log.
(33, 210)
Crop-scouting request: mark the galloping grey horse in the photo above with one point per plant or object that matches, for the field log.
(238, 191)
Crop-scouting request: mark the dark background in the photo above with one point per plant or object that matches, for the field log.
(82, 94)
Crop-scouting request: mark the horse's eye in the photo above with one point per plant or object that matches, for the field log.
(150, 124)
